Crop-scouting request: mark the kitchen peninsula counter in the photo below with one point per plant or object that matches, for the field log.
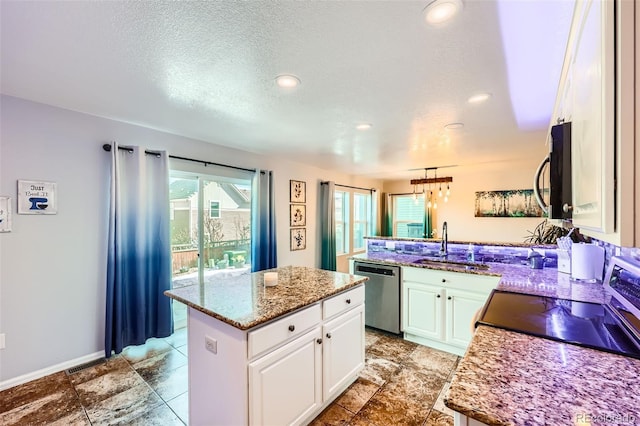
(510, 378)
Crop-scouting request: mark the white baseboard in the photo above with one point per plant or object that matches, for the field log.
(6, 384)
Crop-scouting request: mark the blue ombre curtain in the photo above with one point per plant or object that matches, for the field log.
(328, 226)
(263, 222)
(139, 252)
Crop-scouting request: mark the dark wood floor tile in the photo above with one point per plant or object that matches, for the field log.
(33, 391)
(333, 415)
(44, 410)
(107, 385)
(124, 407)
(160, 364)
(112, 364)
(436, 418)
(357, 395)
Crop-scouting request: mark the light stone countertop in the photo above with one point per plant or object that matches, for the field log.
(245, 302)
(509, 378)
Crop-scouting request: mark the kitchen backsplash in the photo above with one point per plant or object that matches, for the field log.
(460, 251)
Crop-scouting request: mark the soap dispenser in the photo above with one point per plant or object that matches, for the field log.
(471, 256)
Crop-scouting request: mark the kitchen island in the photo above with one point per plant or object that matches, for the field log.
(272, 355)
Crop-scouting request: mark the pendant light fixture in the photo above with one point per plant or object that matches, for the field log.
(427, 181)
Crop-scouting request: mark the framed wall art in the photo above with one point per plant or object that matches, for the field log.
(36, 197)
(510, 203)
(298, 239)
(298, 191)
(298, 215)
(5, 214)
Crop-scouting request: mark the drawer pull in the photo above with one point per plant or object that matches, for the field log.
(328, 335)
(348, 301)
(292, 327)
(438, 296)
(319, 341)
(449, 298)
(444, 280)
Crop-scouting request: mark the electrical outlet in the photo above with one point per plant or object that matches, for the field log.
(211, 344)
(2, 342)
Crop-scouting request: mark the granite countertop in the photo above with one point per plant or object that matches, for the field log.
(515, 278)
(509, 378)
(244, 302)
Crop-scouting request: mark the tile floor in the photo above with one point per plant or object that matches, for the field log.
(402, 383)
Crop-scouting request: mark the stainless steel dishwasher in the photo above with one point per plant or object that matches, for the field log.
(381, 295)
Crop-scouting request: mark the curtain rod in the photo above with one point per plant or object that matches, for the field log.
(352, 187)
(107, 147)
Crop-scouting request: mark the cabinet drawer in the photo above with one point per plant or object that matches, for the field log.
(282, 330)
(343, 302)
(457, 280)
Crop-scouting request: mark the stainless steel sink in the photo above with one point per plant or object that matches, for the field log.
(450, 264)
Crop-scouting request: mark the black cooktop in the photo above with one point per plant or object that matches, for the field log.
(580, 323)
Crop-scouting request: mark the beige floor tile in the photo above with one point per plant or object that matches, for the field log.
(357, 395)
(334, 415)
(160, 416)
(180, 406)
(44, 410)
(32, 391)
(107, 385)
(436, 418)
(170, 384)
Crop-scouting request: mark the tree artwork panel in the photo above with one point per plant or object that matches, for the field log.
(509, 203)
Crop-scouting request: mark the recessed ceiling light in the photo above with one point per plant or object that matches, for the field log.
(364, 126)
(439, 11)
(287, 81)
(478, 98)
(454, 126)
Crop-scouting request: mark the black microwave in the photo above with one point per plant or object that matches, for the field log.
(559, 161)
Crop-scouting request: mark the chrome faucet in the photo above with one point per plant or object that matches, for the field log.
(443, 246)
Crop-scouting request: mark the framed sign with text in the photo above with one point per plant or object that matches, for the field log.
(5, 214)
(36, 197)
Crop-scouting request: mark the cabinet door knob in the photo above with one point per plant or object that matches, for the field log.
(566, 208)
(449, 298)
(292, 327)
(444, 280)
(328, 335)
(348, 301)
(319, 341)
(438, 296)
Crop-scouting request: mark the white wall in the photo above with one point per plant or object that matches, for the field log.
(459, 211)
(53, 268)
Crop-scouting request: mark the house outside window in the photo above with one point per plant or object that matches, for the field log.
(408, 216)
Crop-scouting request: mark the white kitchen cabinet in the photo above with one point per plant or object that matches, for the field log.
(422, 312)
(285, 386)
(461, 308)
(342, 351)
(593, 121)
(596, 93)
(438, 307)
(281, 373)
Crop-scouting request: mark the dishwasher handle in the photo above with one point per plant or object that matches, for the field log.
(377, 270)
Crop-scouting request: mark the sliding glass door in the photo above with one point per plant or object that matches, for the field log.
(210, 229)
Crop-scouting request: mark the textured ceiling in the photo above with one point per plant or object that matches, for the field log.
(206, 70)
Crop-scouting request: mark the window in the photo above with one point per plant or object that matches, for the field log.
(214, 209)
(353, 220)
(408, 216)
(342, 222)
(361, 220)
(203, 240)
